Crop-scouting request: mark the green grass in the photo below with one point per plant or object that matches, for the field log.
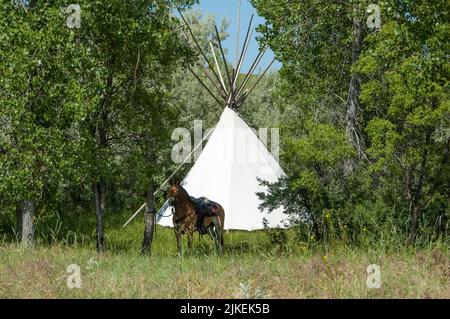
(250, 267)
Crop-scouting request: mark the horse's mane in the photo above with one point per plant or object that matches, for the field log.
(184, 192)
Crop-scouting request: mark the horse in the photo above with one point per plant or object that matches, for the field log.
(185, 218)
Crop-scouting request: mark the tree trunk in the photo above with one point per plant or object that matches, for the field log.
(416, 207)
(354, 91)
(25, 211)
(99, 193)
(149, 221)
(317, 230)
(414, 223)
(18, 221)
(101, 133)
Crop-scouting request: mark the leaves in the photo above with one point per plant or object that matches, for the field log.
(403, 115)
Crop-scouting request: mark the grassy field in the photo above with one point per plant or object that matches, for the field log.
(250, 268)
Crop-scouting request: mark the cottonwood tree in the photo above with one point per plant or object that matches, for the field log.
(41, 100)
(317, 42)
(77, 101)
(396, 77)
(405, 89)
(134, 48)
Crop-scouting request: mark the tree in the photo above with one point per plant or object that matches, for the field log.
(396, 107)
(134, 49)
(41, 101)
(318, 98)
(78, 104)
(406, 91)
(314, 188)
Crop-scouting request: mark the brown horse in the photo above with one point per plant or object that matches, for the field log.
(185, 219)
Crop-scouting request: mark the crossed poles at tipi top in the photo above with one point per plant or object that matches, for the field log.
(228, 93)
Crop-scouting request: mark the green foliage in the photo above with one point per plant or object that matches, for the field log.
(315, 187)
(83, 104)
(406, 96)
(41, 101)
(400, 182)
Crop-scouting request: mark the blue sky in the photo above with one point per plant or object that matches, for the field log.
(227, 9)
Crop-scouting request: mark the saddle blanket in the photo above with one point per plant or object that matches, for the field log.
(204, 206)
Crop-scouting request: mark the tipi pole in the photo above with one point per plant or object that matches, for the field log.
(244, 50)
(198, 46)
(205, 70)
(205, 86)
(134, 215)
(213, 82)
(262, 75)
(223, 57)
(238, 31)
(217, 65)
(252, 68)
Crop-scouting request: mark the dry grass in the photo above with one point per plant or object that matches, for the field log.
(241, 273)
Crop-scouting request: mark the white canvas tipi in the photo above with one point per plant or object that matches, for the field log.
(226, 172)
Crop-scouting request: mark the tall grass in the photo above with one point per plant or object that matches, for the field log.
(268, 263)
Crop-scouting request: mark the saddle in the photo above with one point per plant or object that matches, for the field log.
(203, 208)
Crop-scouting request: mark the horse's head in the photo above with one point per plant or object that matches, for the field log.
(174, 194)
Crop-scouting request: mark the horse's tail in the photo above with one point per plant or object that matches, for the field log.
(221, 217)
(221, 213)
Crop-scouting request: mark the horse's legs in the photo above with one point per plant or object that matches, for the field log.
(214, 235)
(212, 232)
(179, 241)
(190, 236)
(220, 239)
(218, 235)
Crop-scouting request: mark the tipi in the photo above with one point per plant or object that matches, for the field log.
(233, 159)
(227, 171)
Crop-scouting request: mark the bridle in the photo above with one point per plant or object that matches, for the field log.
(173, 210)
(161, 215)
(177, 219)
